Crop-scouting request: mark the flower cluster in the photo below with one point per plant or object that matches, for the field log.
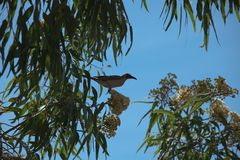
(218, 111)
(203, 86)
(168, 88)
(223, 88)
(235, 118)
(234, 126)
(183, 94)
(231, 120)
(109, 125)
(118, 102)
(218, 89)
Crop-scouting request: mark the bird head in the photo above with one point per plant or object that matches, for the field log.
(128, 76)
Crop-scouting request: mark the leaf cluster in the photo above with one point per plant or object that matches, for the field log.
(202, 11)
(47, 48)
(181, 125)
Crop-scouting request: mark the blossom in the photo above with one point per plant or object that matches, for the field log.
(218, 110)
(235, 117)
(110, 124)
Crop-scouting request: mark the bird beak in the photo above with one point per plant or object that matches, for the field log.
(131, 77)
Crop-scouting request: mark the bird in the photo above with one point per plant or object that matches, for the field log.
(112, 81)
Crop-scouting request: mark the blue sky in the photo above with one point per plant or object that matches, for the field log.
(156, 53)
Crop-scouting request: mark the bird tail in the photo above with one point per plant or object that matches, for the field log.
(89, 77)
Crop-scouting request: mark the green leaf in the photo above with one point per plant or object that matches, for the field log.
(205, 26)
(180, 22)
(94, 91)
(172, 15)
(222, 6)
(188, 8)
(147, 140)
(97, 150)
(236, 8)
(152, 122)
(144, 116)
(49, 150)
(187, 105)
(199, 10)
(2, 47)
(3, 28)
(144, 3)
(154, 104)
(131, 39)
(196, 107)
(28, 13)
(11, 109)
(165, 112)
(10, 86)
(85, 90)
(114, 47)
(99, 109)
(212, 22)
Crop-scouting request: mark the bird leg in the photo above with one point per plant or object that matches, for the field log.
(109, 90)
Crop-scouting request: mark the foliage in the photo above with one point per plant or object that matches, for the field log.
(8, 149)
(198, 11)
(182, 126)
(48, 48)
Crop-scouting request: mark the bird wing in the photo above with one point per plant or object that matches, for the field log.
(106, 78)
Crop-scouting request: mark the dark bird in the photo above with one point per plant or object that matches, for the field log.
(112, 81)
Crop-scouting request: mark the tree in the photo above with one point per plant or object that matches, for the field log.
(48, 48)
(182, 126)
